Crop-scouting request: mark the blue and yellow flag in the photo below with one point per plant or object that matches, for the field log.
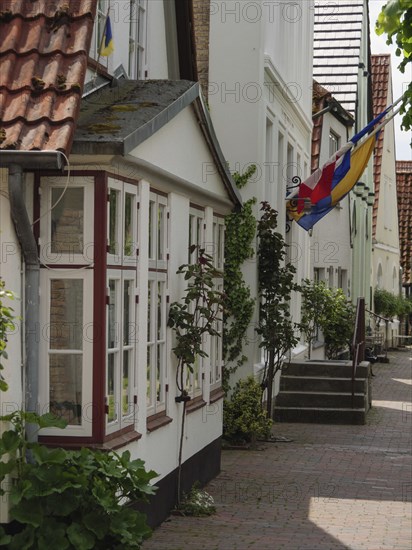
(107, 45)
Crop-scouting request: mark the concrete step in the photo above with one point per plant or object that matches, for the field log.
(316, 399)
(319, 383)
(326, 369)
(320, 415)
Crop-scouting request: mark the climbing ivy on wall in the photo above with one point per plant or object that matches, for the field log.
(240, 231)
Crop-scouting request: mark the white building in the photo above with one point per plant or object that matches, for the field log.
(100, 241)
(260, 97)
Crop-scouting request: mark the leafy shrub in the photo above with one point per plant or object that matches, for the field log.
(70, 499)
(244, 421)
(197, 503)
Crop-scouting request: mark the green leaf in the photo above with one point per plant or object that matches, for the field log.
(52, 534)
(50, 456)
(23, 540)
(81, 538)
(4, 539)
(10, 441)
(7, 468)
(25, 512)
(50, 420)
(97, 523)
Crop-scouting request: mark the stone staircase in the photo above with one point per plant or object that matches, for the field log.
(321, 392)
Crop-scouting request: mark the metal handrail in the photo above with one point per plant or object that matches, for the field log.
(358, 342)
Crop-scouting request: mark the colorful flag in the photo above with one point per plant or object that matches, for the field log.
(331, 183)
(107, 46)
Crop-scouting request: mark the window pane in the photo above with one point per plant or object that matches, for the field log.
(159, 374)
(66, 314)
(148, 375)
(161, 233)
(125, 383)
(149, 311)
(151, 231)
(221, 243)
(112, 316)
(66, 387)
(67, 220)
(128, 224)
(127, 312)
(113, 221)
(160, 320)
(111, 387)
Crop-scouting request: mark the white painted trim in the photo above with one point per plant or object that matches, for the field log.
(386, 248)
(275, 76)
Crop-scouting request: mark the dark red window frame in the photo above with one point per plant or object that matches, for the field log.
(99, 439)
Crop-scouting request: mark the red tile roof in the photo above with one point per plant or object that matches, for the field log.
(404, 188)
(381, 67)
(44, 46)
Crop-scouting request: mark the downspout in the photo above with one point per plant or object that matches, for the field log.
(15, 161)
(31, 292)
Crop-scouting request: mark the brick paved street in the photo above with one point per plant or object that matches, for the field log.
(333, 487)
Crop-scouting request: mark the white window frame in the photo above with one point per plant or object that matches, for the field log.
(121, 421)
(334, 142)
(197, 229)
(137, 58)
(158, 254)
(119, 257)
(219, 242)
(46, 208)
(85, 429)
(155, 404)
(216, 343)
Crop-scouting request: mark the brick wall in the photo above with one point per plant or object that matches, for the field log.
(201, 17)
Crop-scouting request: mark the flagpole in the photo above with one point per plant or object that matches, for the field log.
(101, 42)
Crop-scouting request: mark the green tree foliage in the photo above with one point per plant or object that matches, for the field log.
(244, 421)
(275, 287)
(389, 305)
(6, 325)
(395, 20)
(75, 500)
(337, 323)
(328, 310)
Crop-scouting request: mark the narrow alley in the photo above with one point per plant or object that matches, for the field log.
(332, 487)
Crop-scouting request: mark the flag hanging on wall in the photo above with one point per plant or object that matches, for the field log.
(333, 181)
(107, 46)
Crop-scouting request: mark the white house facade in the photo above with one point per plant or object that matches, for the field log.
(260, 97)
(110, 211)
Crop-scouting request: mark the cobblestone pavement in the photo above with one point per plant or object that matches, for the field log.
(333, 487)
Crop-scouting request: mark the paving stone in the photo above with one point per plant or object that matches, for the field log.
(333, 487)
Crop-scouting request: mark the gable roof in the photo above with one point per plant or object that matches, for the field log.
(404, 189)
(44, 47)
(336, 48)
(116, 119)
(381, 66)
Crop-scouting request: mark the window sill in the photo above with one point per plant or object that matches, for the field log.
(116, 442)
(216, 395)
(195, 404)
(156, 421)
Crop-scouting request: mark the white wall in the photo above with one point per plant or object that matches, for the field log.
(260, 84)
